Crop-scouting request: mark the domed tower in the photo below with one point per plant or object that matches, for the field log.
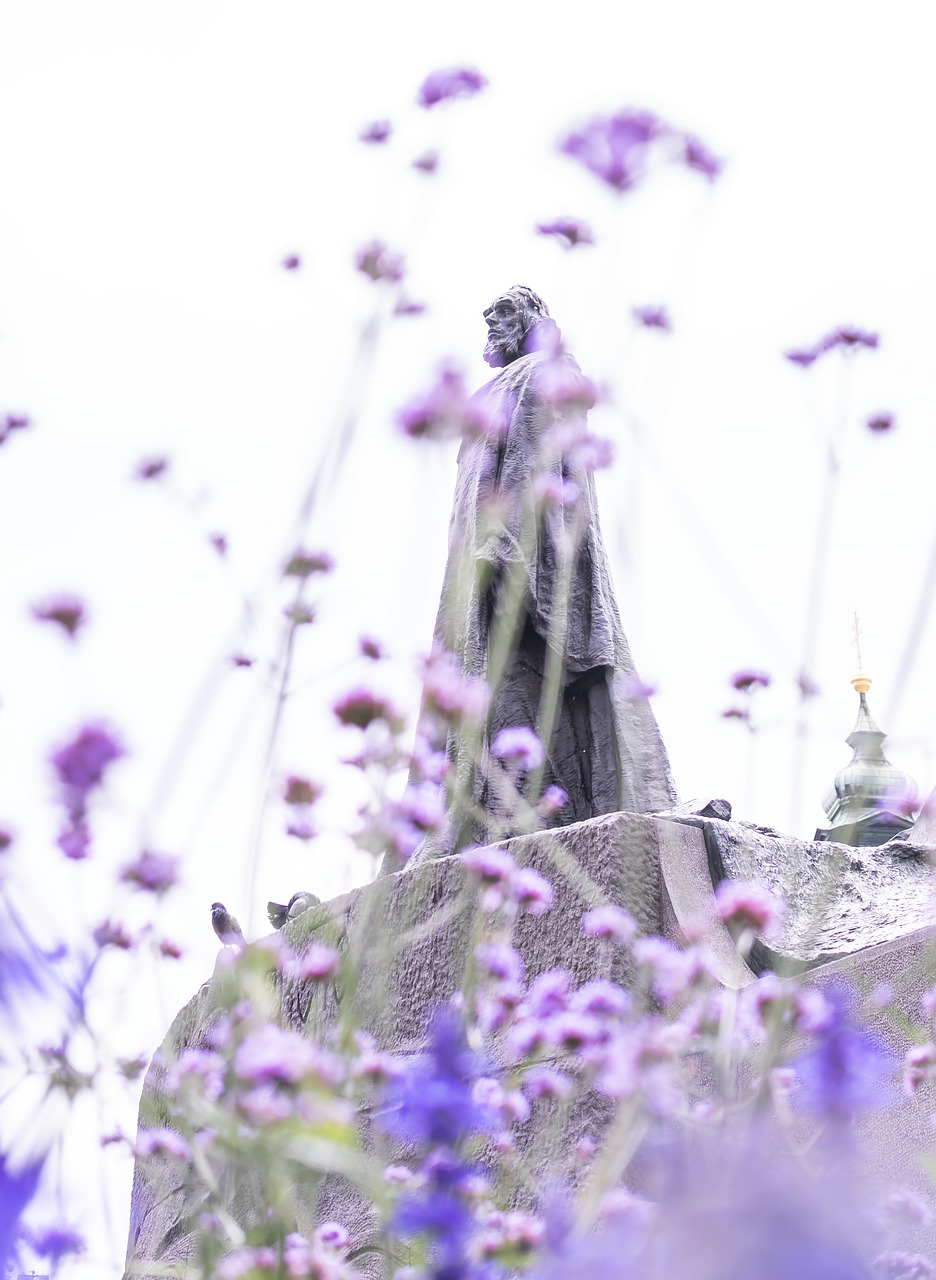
(870, 800)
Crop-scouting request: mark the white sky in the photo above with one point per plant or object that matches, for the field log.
(159, 161)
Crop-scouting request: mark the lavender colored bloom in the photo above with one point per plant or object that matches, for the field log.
(453, 82)
(111, 934)
(746, 905)
(546, 1082)
(573, 1031)
(199, 1069)
(880, 422)
(56, 1242)
(635, 689)
(569, 231)
(451, 693)
(151, 468)
(519, 745)
(553, 799)
(363, 708)
(745, 681)
(6, 839)
(82, 763)
(555, 490)
(291, 262)
(428, 162)
(549, 993)
(697, 156)
(370, 648)
(302, 563)
(736, 713)
(300, 791)
(500, 960)
(609, 922)
(17, 1188)
(67, 611)
(850, 339)
(273, 1053)
(377, 262)
(316, 963)
(161, 1142)
(447, 411)
(850, 1070)
(300, 614)
(74, 840)
(302, 830)
(492, 866)
(333, 1234)
(242, 660)
(672, 972)
(615, 148)
(804, 357)
(531, 891)
(653, 318)
(16, 422)
(376, 132)
(152, 872)
(264, 1105)
(919, 1067)
(600, 997)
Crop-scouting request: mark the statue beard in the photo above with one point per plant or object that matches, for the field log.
(505, 344)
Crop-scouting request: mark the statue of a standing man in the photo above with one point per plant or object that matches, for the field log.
(527, 602)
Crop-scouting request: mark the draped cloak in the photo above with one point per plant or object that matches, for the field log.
(606, 751)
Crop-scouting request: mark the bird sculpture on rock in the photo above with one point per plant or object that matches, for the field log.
(226, 927)
(281, 912)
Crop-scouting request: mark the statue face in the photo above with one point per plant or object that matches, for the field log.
(507, 327)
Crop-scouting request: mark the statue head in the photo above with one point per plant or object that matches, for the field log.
(518, 321)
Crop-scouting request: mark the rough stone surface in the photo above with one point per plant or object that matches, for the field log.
(659, 869)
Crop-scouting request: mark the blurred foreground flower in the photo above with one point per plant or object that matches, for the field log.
(447, 411)
(455, 82)
(151, 468)
(850, 1070)
(653, 318)
(376, 132)
(68, 611)
(569, 231)
(377, 262)
(880, 422)
(620, 148)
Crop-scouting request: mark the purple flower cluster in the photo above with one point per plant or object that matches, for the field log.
(362, 708)
(518, 746)
(80, 767)
(620, 149)
(447, 411)
(303, 564)
(846, 338)
(66, 611)
(570, 232)
(377, 262)
(653, 318)
(152, 872)
(376, 132)
(13, 422)
(450, 693)
(505, 886)
(850, 1070)
(453, 82)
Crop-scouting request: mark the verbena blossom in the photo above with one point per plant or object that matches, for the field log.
(453, 82)
(377, 262)
(303, 564)
(635, 689)
(745, 681)
(746, 905)
(553, 800)
(370, 648)
(291, 262)
(161, 1142)
(652, 317)
(849, 1070)
(151, 468)
(520, 745)
(376, 132)
(81, 764)
(448, 411)
(620, 148)
(569, 231)
(451, 693)
(152, 872)
(919, 1067)
(300, 791)
(362, 708)
(845, 338)
(67, 611)
(271, 1053)
(428, 162)
(112, 933)
(880, 422)
(611, 922)
(316, 963)
(55, 1242)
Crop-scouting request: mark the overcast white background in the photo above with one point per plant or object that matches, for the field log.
(158, 161)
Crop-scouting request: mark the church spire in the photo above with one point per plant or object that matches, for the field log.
(871, 800)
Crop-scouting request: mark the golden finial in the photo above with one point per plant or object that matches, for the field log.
(861, 683)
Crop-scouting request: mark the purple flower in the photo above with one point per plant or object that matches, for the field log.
(531, 892)
(301, 830)
(546, 1082)
(242, 660)
(363, 708)
(601, 998)
(428, 162)
(300, 791)
(17, 1188)
(850, 339)
(609, 922)
(653, 318)
(880, 422)
(697, 156)
(6, 839)
(16, 422)
(377, 262)
(82, 763)
(553, 800)
(570, 231)
(302, 563)
(376, 132)
(492, 866)
(291, 262)
(219, 542)
(370, 648)
(520, 746)
(746, 681)
(500, 960)
(151, 468)
(549, 993)
(273, 1053)
(919, 1066)
(746, 905)
(67, 611)
(432, 1101)
(316, 963)
(736, 713)
(451, 693)
(152, 872)
(615, 148)
(447, 412)
(454, 82)
(334, 1235)
(56, 1242)
(161, 1142)
(850, 1070)
(111, 934)
(804, 358)
(170, 950)
(74, 840)
(635, 689)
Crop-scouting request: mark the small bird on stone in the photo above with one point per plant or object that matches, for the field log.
(226, 927)
(280, 912)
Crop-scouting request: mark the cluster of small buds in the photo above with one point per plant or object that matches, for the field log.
(507, 1237)
(673, 974)
(377, 132)
(80, 767)
(452, 82)
(161, 1142)
(570, 232)
(362, 708)
(304, 564)
(621, 149)
(448, 412)
(198, 1073)
(773, 1002)
(653, 317)
(318, 963)
(152, 872)
(372, 1065)
(611, 922)
(919, 1067)
(518, 746)
(846, 338)
(66, 611)
(377, 262)
(451, 694)
(111, 933)
(747, 907)
(300, 794)
(505, 886)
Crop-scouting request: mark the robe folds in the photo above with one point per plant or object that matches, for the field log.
(506, 543)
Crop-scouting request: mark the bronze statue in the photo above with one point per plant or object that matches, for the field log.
(527, 602)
